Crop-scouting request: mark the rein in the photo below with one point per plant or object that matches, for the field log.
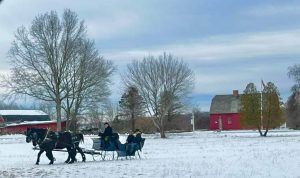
(46, 135)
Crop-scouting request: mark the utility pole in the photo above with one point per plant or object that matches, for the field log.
(193, 121)
(261, 117)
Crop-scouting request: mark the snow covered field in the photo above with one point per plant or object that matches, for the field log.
(205, 154)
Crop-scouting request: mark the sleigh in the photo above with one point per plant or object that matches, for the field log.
(114, 149)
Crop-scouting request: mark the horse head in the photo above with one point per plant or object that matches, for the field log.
(31, 135)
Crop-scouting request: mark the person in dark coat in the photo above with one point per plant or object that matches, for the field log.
(138, 136)
(107, 131)
(130, 137)
(105, 136)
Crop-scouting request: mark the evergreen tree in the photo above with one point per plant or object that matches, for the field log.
(132, 105)
(272, 114)
(261, 110)
(250, 108)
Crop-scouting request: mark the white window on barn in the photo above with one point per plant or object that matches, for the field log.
(229, 120)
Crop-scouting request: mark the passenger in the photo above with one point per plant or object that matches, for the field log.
(130, 137)
(138, 136)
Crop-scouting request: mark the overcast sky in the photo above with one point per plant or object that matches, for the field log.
(227, 43)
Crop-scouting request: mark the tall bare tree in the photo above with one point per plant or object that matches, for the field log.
(294, 74)
(49, 56)
(163, 82)
(88, 82)
(293, 103)
(293, 110)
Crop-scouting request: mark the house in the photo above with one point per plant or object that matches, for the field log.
(224, 112)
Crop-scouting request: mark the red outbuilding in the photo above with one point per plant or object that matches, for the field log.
(224, 112)
(17, 121)
(22, 127)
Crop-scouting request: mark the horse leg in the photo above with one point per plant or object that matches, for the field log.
(69, 149)
(81, 152)
(39, 155)
(50, 156)
(68, 159)
(72, 154)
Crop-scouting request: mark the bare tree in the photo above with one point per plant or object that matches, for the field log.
(111, 111)
(294, 73)
(48, 108)
(163, 82)
(293, 110)
(293, 103)
(88, 82)
(48, 60)
(95, 116)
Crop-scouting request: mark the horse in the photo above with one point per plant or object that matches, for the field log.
(49, 140)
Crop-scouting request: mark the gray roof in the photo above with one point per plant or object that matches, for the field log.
(22, 113)
(225, 104)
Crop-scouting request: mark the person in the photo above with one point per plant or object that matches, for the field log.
(105, 136)
(138, 136)
(130, 137)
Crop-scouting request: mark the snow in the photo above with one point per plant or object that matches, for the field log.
(31, 123)
(22, 112)
(238, 154)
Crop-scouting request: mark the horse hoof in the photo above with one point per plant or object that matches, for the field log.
(71, 162)
(36, 163)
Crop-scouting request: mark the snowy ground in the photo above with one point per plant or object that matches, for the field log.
(205, 154)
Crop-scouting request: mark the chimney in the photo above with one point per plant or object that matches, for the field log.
(235, 92)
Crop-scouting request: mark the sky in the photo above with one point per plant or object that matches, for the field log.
(228, 44)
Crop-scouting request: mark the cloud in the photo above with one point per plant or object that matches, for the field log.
(116, 25)
(224, 47)
(227, 62)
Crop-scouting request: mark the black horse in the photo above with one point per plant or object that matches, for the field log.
(49, 140)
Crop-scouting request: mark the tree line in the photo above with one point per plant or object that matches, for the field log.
(55, 62)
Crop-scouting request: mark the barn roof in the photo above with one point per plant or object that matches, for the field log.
(31, 123)
(22, 113)
(225, 104)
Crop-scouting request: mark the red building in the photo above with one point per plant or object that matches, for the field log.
(224, 112)
(17, 121)
(22, 127)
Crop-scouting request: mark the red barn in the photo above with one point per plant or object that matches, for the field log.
(224, 112)
(22, 127)
(17, 121)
